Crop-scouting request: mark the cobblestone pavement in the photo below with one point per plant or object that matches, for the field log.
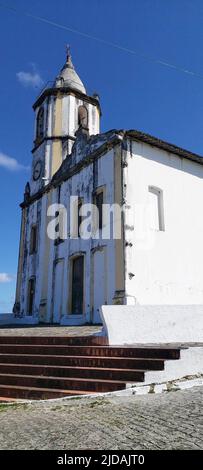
(50, 330)
(171, 420)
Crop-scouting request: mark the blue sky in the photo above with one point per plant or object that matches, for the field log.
(135, 93)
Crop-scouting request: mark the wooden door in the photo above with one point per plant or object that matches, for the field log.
(77, 285)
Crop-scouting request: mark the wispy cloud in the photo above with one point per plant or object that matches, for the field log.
(30, 79)
(5, 277)
(10, 163)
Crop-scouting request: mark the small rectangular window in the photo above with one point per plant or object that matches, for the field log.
(80, 218)
(156, 208)
(98, 201)
(33, 239)
(58, 240)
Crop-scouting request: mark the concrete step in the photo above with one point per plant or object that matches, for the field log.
(69, 371)
(189, 364)
(108, 351)
(62, 383)
(35, 393)
(7, 400)
(42, 367)
(54, 340)
(84, 361)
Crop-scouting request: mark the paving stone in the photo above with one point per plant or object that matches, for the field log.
(85, 330)
(166, 421)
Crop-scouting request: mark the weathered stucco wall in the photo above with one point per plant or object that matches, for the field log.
(99, 281)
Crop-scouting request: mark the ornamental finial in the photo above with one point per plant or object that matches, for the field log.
(68, 54)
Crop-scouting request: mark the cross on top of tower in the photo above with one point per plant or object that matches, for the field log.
(68, 54)
(68, 58)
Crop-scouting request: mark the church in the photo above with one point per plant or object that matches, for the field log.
(154, 257)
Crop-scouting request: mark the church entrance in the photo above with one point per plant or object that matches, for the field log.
(77, 294)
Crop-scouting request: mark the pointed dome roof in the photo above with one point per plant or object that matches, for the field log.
(68, 76)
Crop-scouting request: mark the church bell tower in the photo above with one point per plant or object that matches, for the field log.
(60, 110)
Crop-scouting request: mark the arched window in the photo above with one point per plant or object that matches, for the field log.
(83, 116)
(40, 123)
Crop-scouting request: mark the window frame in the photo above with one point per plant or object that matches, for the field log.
(100, 190)
(33, 246)
(160, 206)
(72, 258)
(31, 280)
(80, 217)
(40, 124)
(81, 124)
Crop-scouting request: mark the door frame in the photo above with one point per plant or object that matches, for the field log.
(56, 261)
(102, 248)
(32, 278)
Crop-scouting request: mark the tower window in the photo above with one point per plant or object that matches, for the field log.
(83, 116)
(33, 239)
(40, 124)
(156, 208)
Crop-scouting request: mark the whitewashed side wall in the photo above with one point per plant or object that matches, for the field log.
(156, 324)
(163, 267)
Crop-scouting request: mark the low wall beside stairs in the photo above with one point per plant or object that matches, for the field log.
(8, 319)
(127, 324)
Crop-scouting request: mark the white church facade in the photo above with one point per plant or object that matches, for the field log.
(157, 257)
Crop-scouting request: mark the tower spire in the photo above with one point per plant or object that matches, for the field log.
(68, 77)
(67, 51)
(68, 57)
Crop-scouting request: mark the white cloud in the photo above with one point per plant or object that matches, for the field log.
(30, 79)
(11, 163)
(5, 277)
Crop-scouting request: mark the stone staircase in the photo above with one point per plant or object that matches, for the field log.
(44, 367)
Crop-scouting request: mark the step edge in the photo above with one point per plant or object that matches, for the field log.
(69, 379)
(72, 367)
